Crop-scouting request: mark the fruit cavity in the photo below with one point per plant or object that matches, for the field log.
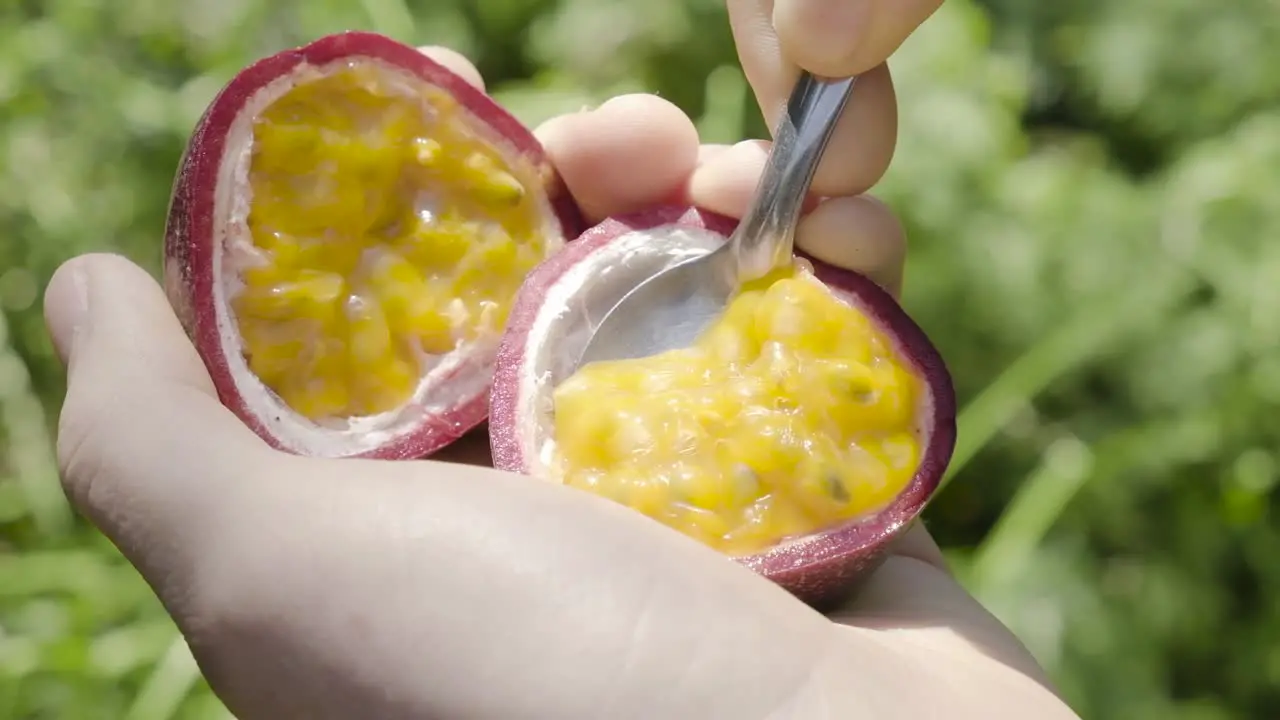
(792, 414)
(348, 226)
(382, 233)
(806, 429)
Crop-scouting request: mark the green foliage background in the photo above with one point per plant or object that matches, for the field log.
(1093, 194)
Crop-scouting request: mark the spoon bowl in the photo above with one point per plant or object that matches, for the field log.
(671, 309)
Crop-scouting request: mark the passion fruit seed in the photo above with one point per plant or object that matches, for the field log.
(792, 414)
(383, 233)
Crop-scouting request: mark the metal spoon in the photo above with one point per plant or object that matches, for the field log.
(671, 309)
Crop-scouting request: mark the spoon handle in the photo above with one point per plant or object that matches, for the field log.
(765, 237)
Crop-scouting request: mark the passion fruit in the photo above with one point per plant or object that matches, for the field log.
(804, 430)
(348, 228)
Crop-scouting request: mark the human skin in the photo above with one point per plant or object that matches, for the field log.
(318, 589)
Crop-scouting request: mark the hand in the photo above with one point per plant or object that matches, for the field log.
(340, 589)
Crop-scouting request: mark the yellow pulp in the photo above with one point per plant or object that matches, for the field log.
(385, 234)
(791, 414)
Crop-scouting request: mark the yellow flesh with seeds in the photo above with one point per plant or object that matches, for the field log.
(791, 414)
(385, 232)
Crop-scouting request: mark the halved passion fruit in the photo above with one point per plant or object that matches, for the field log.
(805, 429)
(349, 226)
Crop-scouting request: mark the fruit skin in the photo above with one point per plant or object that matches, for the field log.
(191, 234)
(820, 568)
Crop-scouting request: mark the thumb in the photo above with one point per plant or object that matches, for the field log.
(142, 438)
(846, 37)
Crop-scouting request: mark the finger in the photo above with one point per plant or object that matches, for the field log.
(845, 37)
(908, 596)
(860, 234)
(865, 137)
(710, 151)
(917, 543)
(454, 61)
(857, 233)
(914, 591)
(725, 179)
(144, 446)
(630, 153)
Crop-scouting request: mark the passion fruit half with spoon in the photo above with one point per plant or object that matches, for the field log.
(801, 432)
(349, 225)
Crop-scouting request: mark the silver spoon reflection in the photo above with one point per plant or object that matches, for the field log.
(671, 309)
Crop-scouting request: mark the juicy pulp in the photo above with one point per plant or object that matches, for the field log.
(383, 232)
(791, 414)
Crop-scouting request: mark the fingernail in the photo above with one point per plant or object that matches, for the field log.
(822, 37)
(710, 151)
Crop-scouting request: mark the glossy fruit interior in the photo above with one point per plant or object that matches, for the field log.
(383, 232)
(792, 414)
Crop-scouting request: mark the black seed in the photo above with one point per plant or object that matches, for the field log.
(836, 487)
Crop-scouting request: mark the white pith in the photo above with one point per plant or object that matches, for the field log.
(451, 380)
